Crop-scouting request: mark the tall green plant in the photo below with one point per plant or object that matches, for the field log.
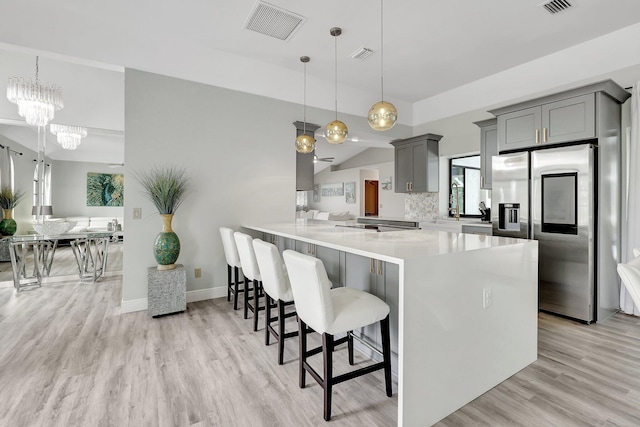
(166, 187)
(9, 199)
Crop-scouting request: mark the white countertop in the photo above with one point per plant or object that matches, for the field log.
(392, 246)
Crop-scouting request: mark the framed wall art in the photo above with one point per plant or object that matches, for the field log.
(350, 192)
(330, 190)
(105, 189)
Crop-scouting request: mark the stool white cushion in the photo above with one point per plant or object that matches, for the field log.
(275, 280)
(327, 310)
(250, 268)
(636, 252)
(229, 246)
(630, 275)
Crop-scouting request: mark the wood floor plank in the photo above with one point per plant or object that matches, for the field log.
(70, 358)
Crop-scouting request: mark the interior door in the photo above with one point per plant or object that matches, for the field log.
(370, 197)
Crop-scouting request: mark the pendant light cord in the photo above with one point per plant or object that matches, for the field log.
(335, 50)
(37, 70)
(304, 110)
(381, 53)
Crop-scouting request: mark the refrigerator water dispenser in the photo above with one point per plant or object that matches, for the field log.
(509, 216)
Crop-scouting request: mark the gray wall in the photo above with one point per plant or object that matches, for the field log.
(239, 151)
(69, 189)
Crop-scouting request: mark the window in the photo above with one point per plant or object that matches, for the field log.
(465, 176)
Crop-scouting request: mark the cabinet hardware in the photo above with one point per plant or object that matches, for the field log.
(370, 265)
(482, 182)
(544, 134)
(379, 267)
(406, 186)
(537, 136)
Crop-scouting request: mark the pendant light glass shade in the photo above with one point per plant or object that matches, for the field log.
(305, 143)
(336, 132)
(382, 115)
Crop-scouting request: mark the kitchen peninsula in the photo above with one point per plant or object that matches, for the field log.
(463, 306)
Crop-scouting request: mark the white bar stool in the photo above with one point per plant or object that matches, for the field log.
(251, 271)
(330, 312)
(630, 275)
(233, 264)
(277, 288)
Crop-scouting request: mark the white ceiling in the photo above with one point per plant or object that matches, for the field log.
(431, 49)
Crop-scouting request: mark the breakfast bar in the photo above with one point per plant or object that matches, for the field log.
(463, 306)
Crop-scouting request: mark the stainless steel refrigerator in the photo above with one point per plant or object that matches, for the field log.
(551, 195)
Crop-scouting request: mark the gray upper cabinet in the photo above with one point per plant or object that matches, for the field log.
(571, 119)
(488, 149)
(564, 117)
(417, 164)
(519, 129)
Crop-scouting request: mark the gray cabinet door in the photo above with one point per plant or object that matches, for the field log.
(331, 260)
(519, 129)
(392, 297)
(571, 119)
(360, 274)
(488, 149)
(403, 168)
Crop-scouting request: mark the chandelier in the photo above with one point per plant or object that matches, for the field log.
(36, 102)
(68, 136)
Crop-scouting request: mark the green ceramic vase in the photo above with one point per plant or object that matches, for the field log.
(8, 225)
(166, 248)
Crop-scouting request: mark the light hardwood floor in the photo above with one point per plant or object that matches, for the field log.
(68, 357)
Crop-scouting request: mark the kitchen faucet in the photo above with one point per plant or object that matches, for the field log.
(457, 208)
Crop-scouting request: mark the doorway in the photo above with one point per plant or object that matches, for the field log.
(370, 197)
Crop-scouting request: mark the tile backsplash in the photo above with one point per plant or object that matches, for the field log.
(421, 206)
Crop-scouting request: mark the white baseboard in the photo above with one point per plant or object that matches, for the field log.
(142, 304)
(132, 305)
(208, 293)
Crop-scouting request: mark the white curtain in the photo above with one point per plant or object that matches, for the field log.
(631, 238)
(6, 168)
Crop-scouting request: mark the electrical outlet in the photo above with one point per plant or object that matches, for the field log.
(137, 213)
(487, 298)
(197, 273)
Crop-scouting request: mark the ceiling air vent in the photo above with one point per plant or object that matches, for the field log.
(362, 53)
(555, 6)
(273, 21)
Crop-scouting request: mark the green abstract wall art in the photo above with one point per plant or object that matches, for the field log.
(105, 189)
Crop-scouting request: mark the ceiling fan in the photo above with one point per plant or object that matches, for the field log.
(317, 159)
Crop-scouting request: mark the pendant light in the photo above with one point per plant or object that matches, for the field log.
(305, 143)
(382, 115)
(336, 132)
